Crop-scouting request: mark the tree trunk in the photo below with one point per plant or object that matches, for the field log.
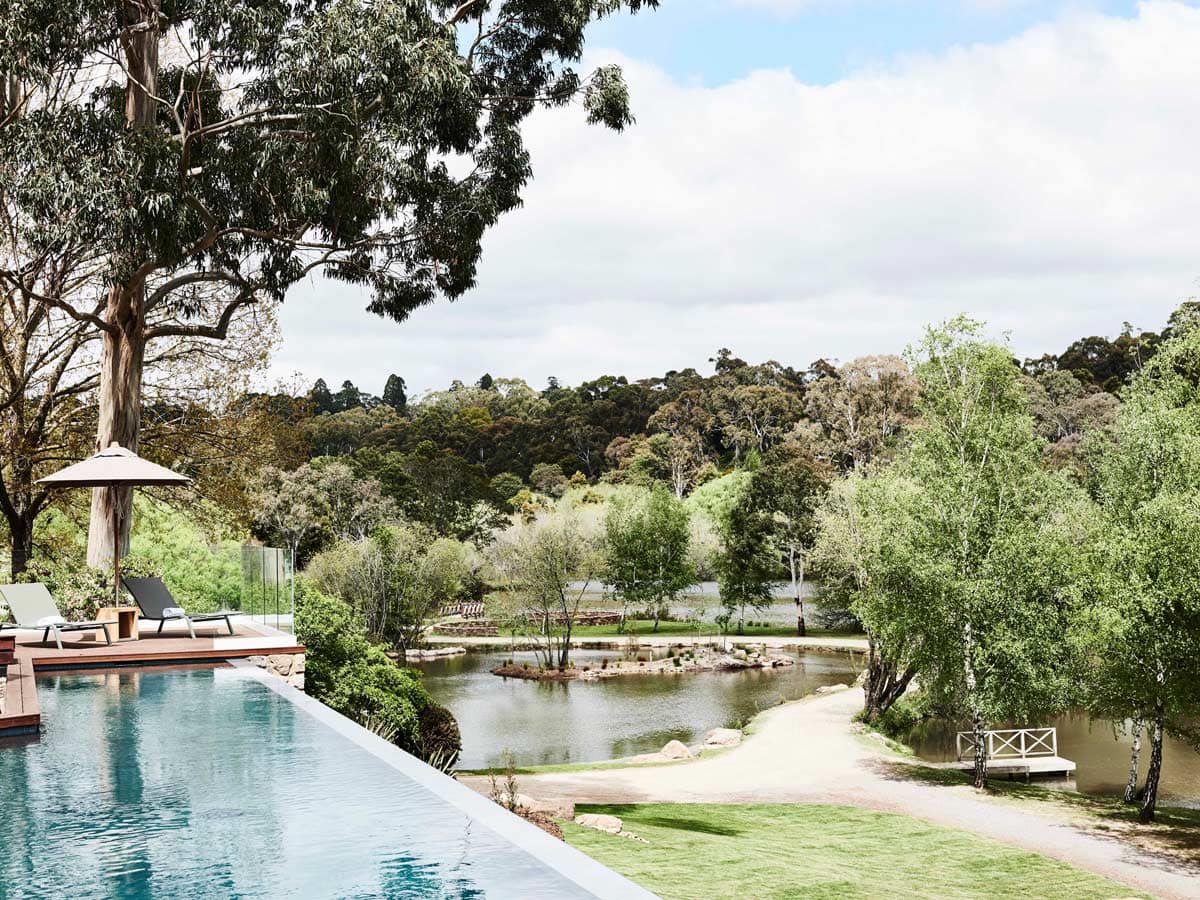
(1150, 791)
(977, 726)
(981, 755)
(120, 419)
(20, 529)
(884, 684)
(1131, 784)
(124, 347)
(798, 589)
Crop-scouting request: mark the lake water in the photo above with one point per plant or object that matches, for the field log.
(544, 722)
(1102, 757)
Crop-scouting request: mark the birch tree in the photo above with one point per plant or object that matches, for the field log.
(974, 571)
(1142, 626)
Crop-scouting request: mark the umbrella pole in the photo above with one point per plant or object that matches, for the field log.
(116, 517)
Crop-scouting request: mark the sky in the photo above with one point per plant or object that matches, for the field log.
(821, 179)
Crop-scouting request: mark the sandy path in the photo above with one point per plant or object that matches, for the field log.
(807, 752)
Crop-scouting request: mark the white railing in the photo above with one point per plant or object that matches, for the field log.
(1012, 743)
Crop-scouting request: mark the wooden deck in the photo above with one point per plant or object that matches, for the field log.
(21, 714)
(1029, 767)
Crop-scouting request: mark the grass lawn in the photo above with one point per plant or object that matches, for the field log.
(1174, 833)
(698, 851)
(645, 628)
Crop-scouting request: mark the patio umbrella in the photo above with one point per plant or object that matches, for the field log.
(114, 468)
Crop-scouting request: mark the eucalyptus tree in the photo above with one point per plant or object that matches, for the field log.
(221, 146)
(862, 408)
(975, 574)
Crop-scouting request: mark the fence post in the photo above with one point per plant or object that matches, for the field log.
(1023, 753)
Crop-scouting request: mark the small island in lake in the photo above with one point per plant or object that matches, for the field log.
(698, 659)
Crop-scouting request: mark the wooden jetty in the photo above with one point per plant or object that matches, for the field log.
(1028, 752)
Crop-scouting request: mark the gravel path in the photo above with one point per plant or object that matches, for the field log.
(808, 752)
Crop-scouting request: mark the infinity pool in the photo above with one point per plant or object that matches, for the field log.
(215, 783)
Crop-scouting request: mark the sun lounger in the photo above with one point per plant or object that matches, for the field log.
(157, 604)
(32, 607)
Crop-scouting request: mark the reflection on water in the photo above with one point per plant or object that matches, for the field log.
(1102, 757)
(205, 783)
(547, 722)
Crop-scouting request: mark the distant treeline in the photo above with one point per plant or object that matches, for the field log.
(671, 427)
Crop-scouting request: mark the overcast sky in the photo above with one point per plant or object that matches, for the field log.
(814, 178)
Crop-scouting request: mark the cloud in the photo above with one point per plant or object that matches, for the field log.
(1047, 184)
(796, 7)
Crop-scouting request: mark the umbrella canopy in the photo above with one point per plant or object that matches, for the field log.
(114, 467)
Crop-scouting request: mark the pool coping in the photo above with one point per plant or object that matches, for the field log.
(577, 867)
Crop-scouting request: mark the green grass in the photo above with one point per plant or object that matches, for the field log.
(1175, 831)
(698, 851)
(645, 628)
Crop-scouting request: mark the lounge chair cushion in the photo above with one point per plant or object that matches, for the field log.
(47, 621)
(173, 612)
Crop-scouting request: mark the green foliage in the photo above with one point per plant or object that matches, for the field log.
(347, 673)
(547, 567)
(507, 486)
(899, 719)
(747, 564)
(962, 559)
(1141, 623)
(715, 498)
(202, 574)
(646, 551)
(396, 579)
(78, 590)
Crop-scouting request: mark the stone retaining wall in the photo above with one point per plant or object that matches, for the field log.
(288, 666)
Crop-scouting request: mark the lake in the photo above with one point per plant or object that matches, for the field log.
(543, 723)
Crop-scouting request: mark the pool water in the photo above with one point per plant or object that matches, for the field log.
(209, 783)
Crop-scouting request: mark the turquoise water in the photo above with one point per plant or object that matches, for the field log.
(206, 783)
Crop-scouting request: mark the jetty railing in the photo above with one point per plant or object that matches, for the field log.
(1011, 743)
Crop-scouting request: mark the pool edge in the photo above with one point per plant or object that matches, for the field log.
(577, 867)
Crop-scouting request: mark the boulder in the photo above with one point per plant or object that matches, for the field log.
(298, 664)
(832, 688)
(723, 737)
(281, 663)
(676, 750)
(558, 809)
(607, 824)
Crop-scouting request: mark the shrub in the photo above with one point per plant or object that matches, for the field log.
(203, 573)
(348, 674)
(900, 718)
(78, 590)
(677, 662)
